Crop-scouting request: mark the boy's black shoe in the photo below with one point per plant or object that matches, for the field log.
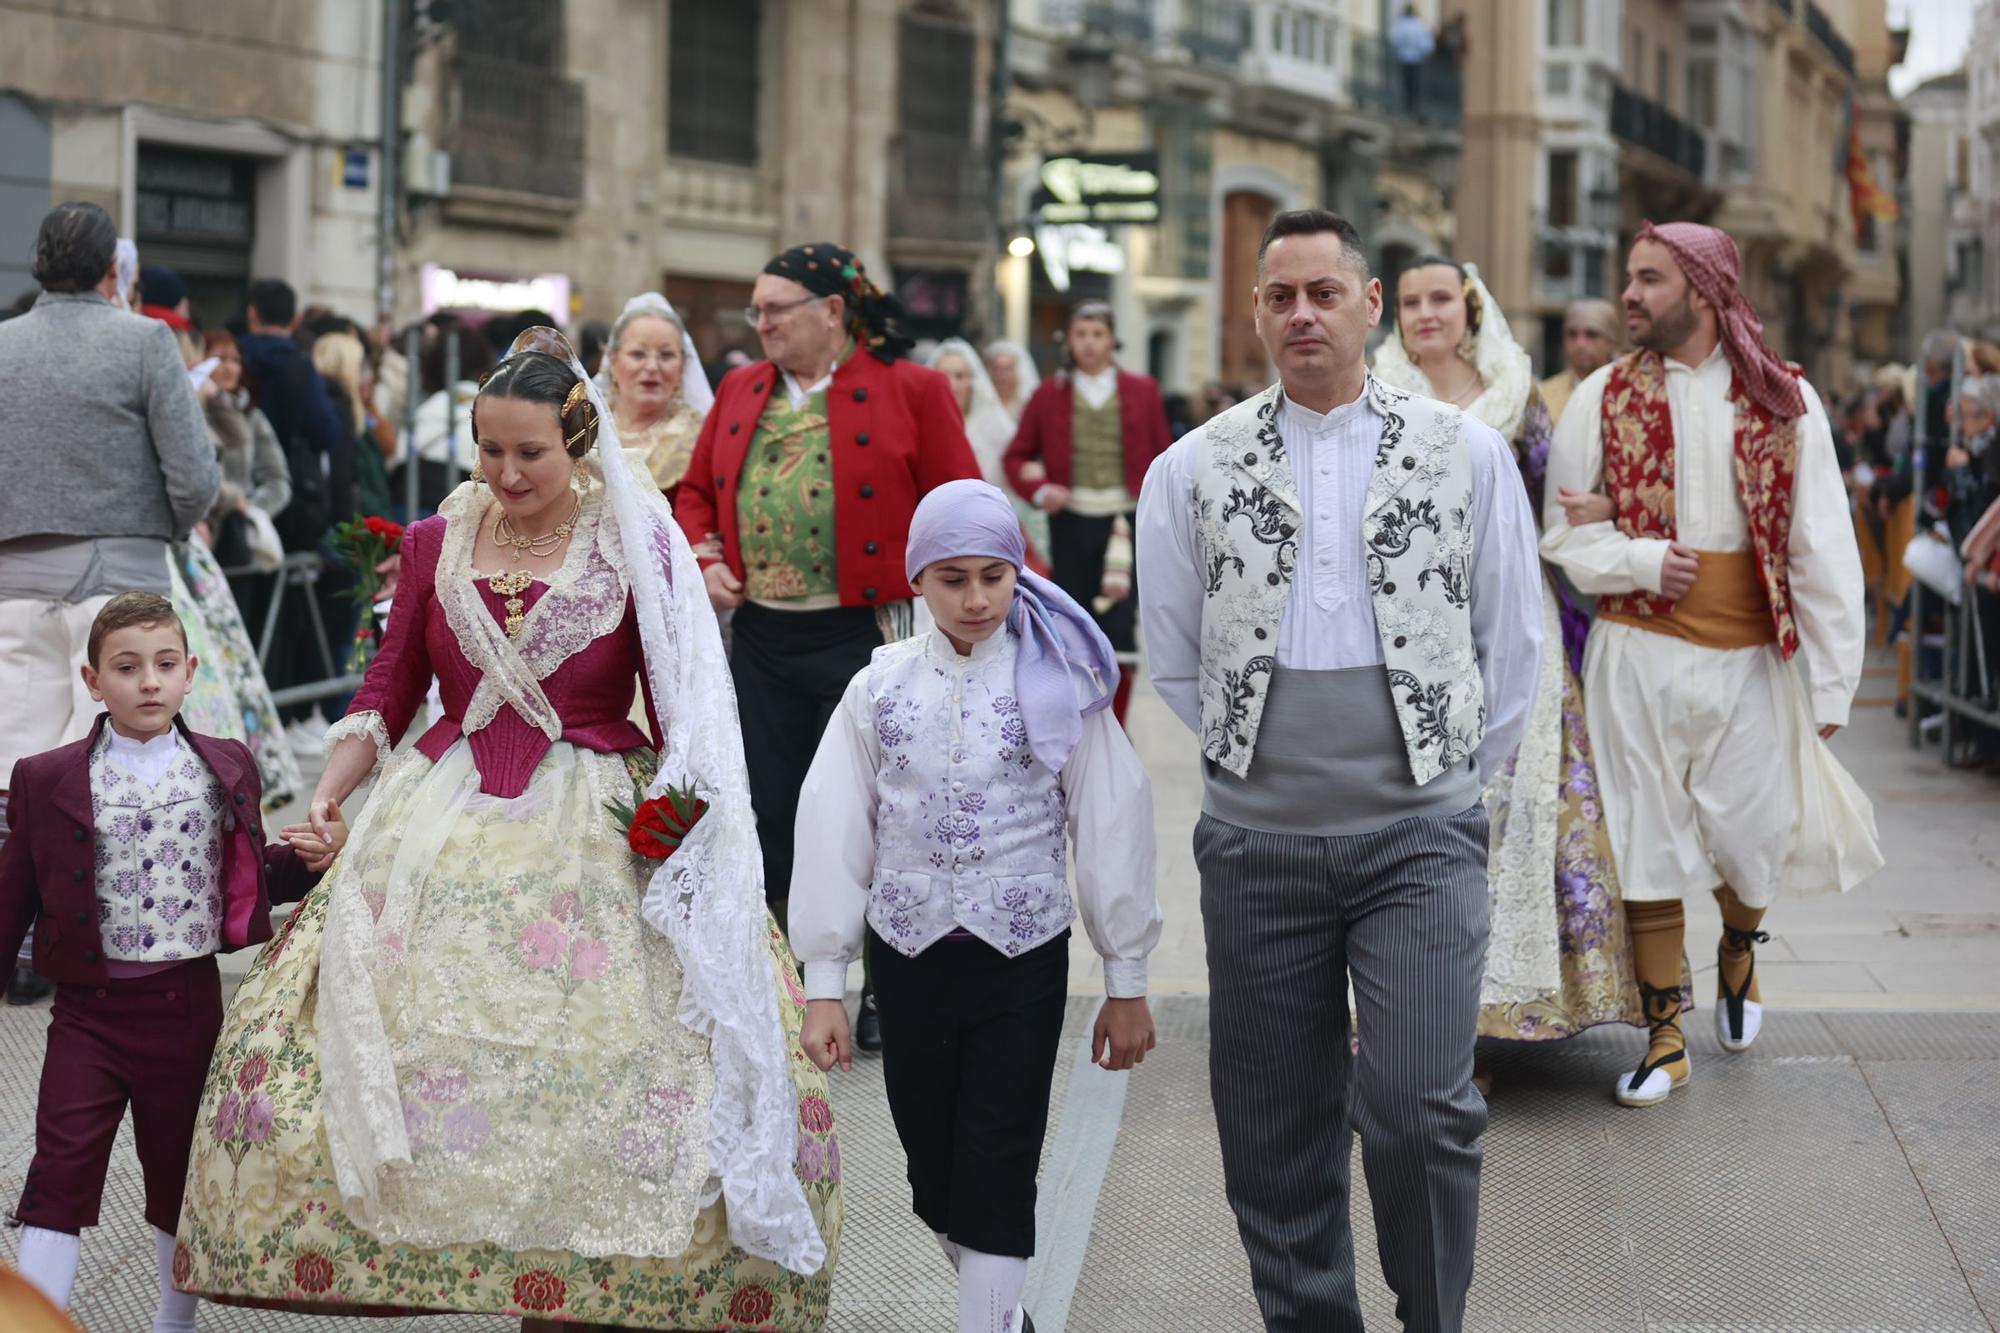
(26, 987)
(868, 1025)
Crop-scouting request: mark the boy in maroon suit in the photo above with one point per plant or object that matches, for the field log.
(136, 855)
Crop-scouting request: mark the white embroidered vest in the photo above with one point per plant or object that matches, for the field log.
(969, 824)
(1417, 535)
(159, 858)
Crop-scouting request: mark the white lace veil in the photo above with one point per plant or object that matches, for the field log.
(989, 426)
(708, 898)
(694, 389)
(1503, 365)
(125, 258)
(1024, 367)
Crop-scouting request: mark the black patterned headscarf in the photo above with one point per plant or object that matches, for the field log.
(826, 269)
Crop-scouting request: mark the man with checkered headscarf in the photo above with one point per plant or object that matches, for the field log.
(1729, 628)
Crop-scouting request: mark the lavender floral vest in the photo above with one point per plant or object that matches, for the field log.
(969, 825)
(1417, 536)
(159, 859)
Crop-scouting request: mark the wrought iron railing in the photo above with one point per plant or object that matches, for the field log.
(938, 188)
(516, 127)
(1215, 30)
(1378, 83)
(1821, 27)
(1128, 19)
(1644, 122)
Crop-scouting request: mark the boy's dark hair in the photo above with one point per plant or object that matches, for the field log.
(133, 610)
(274, 301)
(74, 248)
(1314, 222)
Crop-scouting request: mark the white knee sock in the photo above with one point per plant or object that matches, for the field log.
(48, 1259)
(176, 1312)
(989, 1291)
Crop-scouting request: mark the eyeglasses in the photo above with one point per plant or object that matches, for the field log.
(753, 315)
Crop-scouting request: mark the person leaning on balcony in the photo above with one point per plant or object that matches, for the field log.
(810, 466)
(1592, 335)
(1412, 41)
(107, 459)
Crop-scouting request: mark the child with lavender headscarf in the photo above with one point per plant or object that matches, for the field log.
(939, 802)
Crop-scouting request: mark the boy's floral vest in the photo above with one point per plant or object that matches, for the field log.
(1638, 435)
(1417, 530)
(969, 825)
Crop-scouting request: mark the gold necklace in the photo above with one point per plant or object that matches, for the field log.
(544, 545)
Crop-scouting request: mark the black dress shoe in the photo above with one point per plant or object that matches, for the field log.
(27, 988)
(868, 1025)
(1027, 1324)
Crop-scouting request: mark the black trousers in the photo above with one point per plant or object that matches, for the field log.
(790, 669)
(1077, 544)
(969, 1042)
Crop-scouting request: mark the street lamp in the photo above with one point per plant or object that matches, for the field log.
(1021, 246)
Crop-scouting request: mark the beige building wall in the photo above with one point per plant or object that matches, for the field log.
(1496, 189)
(1937, 127)
(287, 87)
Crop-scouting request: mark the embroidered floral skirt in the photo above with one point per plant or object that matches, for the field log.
(1562, 919)
(230, 698)
(466, 1037)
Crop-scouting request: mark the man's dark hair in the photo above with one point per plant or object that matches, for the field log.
(274, 301)
(74, 248)
(1315, 222)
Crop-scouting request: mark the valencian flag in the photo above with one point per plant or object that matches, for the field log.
(1864, 196)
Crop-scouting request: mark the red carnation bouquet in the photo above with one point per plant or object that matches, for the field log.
(363, 543)
(655, 827)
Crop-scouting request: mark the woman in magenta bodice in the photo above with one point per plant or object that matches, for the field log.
(500, 1062)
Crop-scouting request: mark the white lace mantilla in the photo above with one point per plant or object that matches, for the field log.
(1504, 367)
(1524, 952)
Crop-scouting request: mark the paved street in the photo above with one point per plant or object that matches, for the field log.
(1843, 1177)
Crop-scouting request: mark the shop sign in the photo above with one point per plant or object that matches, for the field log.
(451, 289)
(1076, 247)
(1103, 189)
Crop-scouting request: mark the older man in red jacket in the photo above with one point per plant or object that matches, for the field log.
(808, 469)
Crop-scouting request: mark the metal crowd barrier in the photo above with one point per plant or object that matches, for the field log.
(301, 570)
(1964, 669)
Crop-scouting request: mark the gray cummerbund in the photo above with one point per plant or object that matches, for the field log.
(1330, 762)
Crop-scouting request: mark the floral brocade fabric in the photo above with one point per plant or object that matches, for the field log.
(593, 1131)
(1560, 958)
(1638, 437)
(786, 513)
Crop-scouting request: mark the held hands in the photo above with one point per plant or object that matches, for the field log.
(1677, 571)
(1123, 1035)
(825, 1036)
(1581, 507)
(320, 838)
(725, 590)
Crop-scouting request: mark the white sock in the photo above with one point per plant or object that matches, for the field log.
(176, 1312)
(48, 1259)
(989, 1291)
(950, 1248)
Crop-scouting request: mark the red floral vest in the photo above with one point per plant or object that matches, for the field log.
(1638, 434)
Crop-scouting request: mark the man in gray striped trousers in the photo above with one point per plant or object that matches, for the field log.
(1342, 599)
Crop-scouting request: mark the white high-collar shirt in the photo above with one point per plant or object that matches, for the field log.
(1824, 566)
(1096, 388)
(147, 761)
(1329, 621)
(926, 690)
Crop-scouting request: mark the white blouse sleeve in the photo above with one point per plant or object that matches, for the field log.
(1599, 559)
(1110, 803)
(828, 912)
(1170, 582)
(1825, 571)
